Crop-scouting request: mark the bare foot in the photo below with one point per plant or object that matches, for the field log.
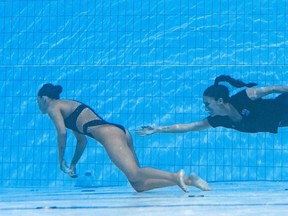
(197, 182)
(180, 181)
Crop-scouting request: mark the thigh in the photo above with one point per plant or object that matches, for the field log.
(120, 154)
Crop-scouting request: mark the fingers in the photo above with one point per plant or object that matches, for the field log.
(140, 133)
(64, 166)
(69, 171)
(147, 127)
(144, 130)
(72, 172)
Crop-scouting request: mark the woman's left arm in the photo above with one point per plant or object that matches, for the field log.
(255, 93)
(80, 147)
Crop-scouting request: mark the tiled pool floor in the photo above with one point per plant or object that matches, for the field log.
(236, 198)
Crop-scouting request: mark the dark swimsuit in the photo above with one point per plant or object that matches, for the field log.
(70, 121)
(261, 115)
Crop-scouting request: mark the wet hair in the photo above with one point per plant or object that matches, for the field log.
(50, 90)
(217, 91)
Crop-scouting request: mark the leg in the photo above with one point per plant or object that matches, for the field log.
(143, 179)
(153, 178)
(131, 146)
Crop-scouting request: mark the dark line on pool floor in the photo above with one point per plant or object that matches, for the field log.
(140, 206)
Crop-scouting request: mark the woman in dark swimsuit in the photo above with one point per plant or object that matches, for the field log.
(245, 111)
(116, 140)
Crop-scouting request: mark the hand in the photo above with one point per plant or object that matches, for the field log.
(72, 171)
(145, 130)
(64, 167)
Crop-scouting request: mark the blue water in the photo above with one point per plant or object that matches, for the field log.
(138, 63)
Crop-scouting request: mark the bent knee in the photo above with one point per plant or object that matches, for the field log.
(136, 182)
(137, 185)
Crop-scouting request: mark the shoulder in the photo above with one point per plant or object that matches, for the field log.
(241, 95)
(67, 104)
(55, 108)
(62, 106)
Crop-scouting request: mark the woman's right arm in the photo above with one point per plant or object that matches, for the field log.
(176, 128)
(58, 121)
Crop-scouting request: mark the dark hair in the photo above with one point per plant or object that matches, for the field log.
(217, 91)
(50, 90)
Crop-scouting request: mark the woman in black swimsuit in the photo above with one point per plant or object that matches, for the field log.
(245, 111)
(116, 140)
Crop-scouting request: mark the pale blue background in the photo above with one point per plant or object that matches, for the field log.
(138, 63)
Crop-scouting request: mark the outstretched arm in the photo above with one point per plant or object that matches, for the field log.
(176, 128)
(255, 93)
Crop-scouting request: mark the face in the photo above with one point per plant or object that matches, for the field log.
(214, 107)
(42, 104)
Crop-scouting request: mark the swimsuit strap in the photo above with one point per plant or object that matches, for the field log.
(93, 123)
(97, 123)
(70, 121)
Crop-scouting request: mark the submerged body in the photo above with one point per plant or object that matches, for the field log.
(260, 115)
(71, 120)
(247, 111)
(116, 140)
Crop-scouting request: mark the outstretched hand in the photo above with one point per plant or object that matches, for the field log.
(145, 130)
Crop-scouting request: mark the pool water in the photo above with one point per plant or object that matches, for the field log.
(139, 63)
(237, 198)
